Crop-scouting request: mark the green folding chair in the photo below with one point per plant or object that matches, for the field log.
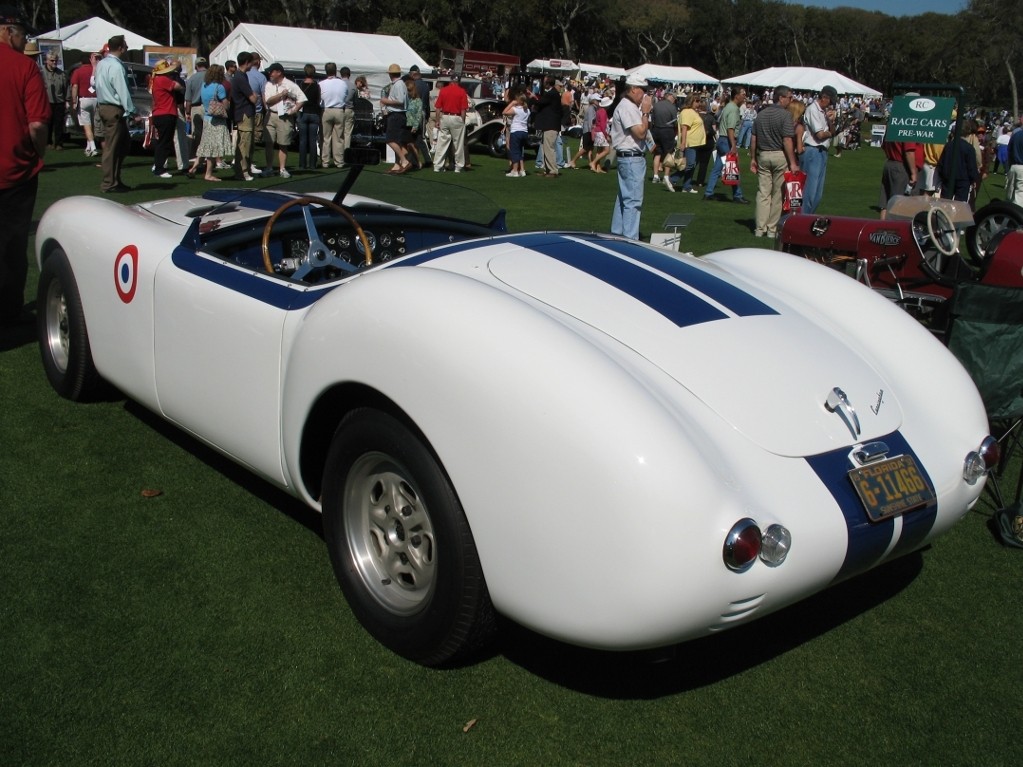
(986, 335)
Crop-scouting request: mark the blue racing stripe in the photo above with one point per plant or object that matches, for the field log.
(868, 541)
(666, 298)
(725, 293)
(271, 292)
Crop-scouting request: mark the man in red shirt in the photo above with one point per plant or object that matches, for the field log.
(451, 106)
(23, 127)
(903, 160)
(83, 100)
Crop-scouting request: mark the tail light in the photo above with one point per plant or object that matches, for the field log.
(742, 545)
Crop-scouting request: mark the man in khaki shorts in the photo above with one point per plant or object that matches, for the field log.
(283, 100)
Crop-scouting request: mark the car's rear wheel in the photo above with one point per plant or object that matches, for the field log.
(63, 335)
(400, 543)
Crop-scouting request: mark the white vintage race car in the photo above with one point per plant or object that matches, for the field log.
(607, 442)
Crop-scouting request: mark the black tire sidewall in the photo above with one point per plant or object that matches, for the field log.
(79, 381)
(442, 628)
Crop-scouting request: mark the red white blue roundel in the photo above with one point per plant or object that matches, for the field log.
(126, 277)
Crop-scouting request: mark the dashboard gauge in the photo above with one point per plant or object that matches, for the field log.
(371, 238)
(385, 240)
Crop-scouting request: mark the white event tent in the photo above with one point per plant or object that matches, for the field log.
(665, 74)
(294, 47)
(91, 34)
(803, 79)
(552, 65)
(599, 69)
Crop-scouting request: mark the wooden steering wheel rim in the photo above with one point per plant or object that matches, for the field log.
(268, 264)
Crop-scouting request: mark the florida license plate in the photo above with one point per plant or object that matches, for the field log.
(891, 487)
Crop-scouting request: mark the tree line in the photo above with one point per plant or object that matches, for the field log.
(977, 48)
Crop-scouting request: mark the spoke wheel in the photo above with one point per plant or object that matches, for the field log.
(991, 221)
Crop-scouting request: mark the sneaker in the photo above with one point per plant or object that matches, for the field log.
(284, 173)
(656, 180)
(221, 165)
(247, 177)
(512, 174)
(690, 190)
(522, 174)
(668, 184)
(255, 171)
(458, 170)
(165, 174)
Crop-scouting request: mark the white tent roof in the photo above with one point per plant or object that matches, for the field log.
(600, 69)
(667, 74)
(91, 34)
(803, 79)
(294, 47)
(553, 65)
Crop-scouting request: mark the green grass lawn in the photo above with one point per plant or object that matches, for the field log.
(204, 626)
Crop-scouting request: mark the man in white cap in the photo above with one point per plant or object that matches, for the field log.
(630, 128)
(819, 120)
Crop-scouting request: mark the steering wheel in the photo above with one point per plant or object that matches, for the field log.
(942, 232)
(318, 255)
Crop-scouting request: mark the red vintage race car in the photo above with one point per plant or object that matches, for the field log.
(913, 256)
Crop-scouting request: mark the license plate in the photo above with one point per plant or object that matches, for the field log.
(891, 487)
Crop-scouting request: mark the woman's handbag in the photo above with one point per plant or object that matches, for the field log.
(217, 108)
(676, 159)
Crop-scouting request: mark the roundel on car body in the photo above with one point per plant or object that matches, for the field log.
(126, 273)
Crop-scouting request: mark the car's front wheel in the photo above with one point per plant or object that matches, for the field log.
(990, 221)
(497, 143)
(400, 543)
(63, 336)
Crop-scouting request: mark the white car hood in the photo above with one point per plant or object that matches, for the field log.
(760, 365)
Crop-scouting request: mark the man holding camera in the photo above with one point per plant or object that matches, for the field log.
(819, 120)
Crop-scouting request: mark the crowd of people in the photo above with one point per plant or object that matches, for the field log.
(217, 118)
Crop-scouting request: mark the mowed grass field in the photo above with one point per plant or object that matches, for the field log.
(203, 626)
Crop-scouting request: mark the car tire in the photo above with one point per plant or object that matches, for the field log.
(989, 221)
(497, 144)
(400, 543)
(62, 332)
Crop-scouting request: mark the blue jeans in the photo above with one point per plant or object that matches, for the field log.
(629, 203)
(308, 140)
(814, 163)
(715, 173)
(745, 132)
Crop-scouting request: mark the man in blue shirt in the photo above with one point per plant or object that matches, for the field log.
(115, 107)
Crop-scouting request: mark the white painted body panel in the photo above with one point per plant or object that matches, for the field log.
(600, 453)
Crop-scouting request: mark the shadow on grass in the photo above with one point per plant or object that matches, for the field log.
(257, 487)
(619, 675)
(706, 661)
